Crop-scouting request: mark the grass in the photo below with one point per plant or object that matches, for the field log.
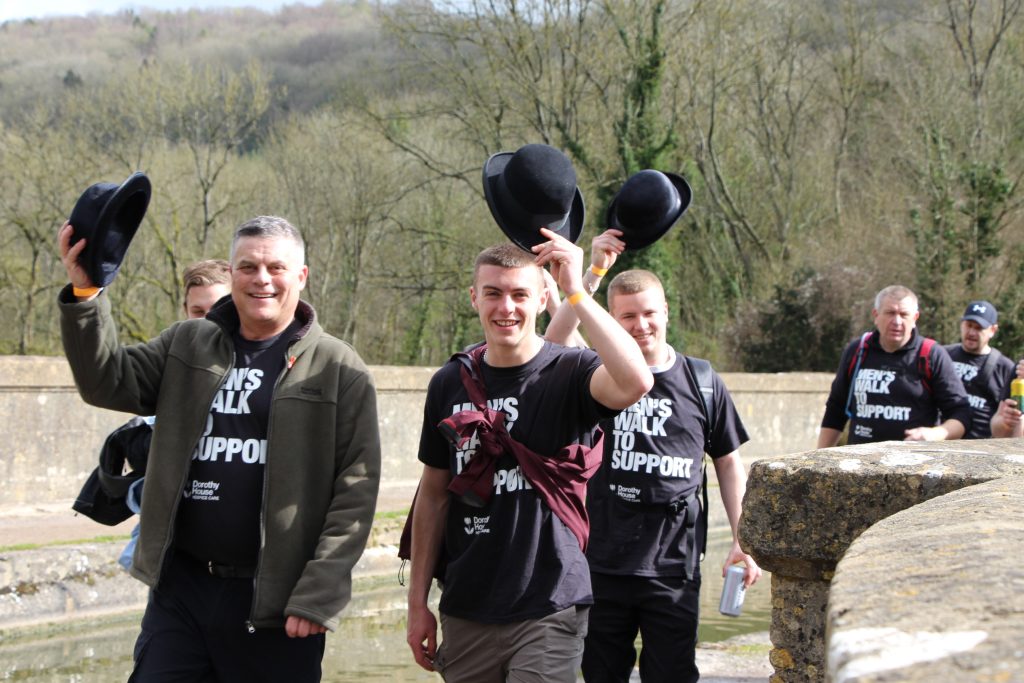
(393, 514)
(380, 516)
(50, 544)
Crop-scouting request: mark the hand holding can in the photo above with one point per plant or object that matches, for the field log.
(1017, 392)
(733, 591)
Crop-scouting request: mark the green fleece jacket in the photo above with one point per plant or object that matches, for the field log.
(323, 452)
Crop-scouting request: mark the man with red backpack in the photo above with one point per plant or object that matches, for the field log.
(892, 383)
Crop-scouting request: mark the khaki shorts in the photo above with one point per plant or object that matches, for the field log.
(545, 650)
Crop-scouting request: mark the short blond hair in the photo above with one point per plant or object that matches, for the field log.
(633, 282)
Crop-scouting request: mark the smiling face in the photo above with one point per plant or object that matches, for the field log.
(267, 275)
(644, 315)
(508, 301)
(895, 319)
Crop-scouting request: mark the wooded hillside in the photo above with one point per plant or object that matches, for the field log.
(833, 148)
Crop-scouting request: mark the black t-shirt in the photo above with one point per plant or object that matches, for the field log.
(513, 559)
(984, 399)
(889, 395)
(219, 514)
(652, 456)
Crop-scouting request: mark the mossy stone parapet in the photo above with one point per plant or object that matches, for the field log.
(934, 593)
(802, 512)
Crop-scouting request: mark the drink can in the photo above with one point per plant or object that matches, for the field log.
(733, 591)
(1017, 392)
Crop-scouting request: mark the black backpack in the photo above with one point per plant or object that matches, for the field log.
(703, 376)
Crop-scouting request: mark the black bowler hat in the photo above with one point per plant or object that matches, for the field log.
(530, 189)
(647, 205)
(107, 216)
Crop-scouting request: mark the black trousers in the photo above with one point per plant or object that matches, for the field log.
(194, 631)
(663, 609)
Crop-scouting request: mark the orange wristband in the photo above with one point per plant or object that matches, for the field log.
(84, 293)
(576, 298)
(600, 272)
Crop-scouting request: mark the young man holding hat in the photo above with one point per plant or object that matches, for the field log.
(263, 470)
(985, 372)
(646, 517)
(648, 524)
(505, 447)
(893, 384)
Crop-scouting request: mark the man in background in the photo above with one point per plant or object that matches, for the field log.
(205, 283)
(648, 525)
(984, 371)
(892, 383)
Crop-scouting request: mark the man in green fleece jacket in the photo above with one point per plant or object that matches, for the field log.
(263, 470)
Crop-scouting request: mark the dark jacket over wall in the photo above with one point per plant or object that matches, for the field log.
(323, 451)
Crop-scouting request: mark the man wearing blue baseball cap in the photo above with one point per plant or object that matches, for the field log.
(985, 372)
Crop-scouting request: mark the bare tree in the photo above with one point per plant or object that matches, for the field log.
(215, 113)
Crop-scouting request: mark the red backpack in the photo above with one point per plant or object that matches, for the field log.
(924, 365)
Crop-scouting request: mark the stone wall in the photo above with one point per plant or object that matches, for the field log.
(934, 593)
(802, 512)
(50, 438)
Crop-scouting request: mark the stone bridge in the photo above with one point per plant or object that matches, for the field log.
(890, 562)
(893, 561)
(50, 439)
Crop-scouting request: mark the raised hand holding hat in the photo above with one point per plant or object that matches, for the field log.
(77, 275)
(533, 188)
(648, 204)
(106, 216)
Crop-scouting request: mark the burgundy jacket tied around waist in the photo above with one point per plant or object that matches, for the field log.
(561, 479)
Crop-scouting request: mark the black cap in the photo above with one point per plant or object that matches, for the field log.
(981, 312)
(107, 216)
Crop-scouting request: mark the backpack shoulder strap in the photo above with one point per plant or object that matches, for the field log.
(472, 377)
(703, 373)
(924, 362)
(988, 366)
(857, 357)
